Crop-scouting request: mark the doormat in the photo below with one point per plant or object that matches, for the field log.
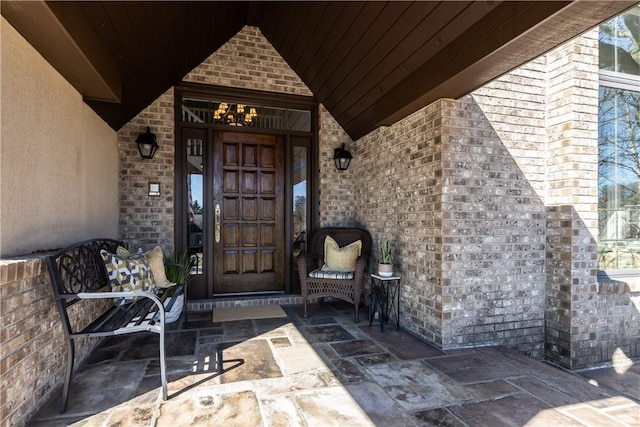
(246, 313)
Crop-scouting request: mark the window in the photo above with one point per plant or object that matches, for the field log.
(619, 143)
(300, 184)
(252, 115)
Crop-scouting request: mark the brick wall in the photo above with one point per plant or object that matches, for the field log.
(466, 226)
(398, 179)
(546, 115)
(617, 334)
(246, 61)
(515, 104)
(146, 221)
(491, 205)
(474, 194)
(572, 175)
(558, 284)
(33, 356)
(336, 188)
(493, 236)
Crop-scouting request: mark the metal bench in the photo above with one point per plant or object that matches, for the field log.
(78, 273)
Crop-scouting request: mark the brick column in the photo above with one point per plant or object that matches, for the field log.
(493, 238)
(572, 200)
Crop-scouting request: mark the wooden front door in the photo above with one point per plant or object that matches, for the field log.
(248, 201)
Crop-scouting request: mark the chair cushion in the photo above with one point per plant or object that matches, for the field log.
(328, 274)
(128, 273)
(155, 258)
(341, 258)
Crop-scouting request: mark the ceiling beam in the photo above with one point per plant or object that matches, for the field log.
(66, 40)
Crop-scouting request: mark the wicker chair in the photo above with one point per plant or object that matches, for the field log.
(348, 290)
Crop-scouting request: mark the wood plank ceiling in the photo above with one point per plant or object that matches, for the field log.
(370, 63)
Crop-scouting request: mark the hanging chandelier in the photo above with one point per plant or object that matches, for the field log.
(235, 115)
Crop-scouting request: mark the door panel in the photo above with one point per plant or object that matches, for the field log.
(249, 183)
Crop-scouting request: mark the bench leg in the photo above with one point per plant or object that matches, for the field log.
(71, 350)
(185, 309)
(219, 361)
(163, 366)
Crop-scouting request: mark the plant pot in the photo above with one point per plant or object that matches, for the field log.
(385, 270)
(176, 309)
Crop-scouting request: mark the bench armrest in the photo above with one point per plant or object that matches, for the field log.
(127, 294)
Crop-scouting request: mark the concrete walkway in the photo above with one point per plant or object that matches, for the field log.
(327, 370)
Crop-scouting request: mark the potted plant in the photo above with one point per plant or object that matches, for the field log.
(178, 270)
(385, 267)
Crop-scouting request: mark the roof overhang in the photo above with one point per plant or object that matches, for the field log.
(370, 63)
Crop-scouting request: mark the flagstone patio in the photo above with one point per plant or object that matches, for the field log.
(327, 370)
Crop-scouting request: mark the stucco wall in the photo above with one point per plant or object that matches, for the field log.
(58, 177)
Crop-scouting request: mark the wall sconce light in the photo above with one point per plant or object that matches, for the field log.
(147, 144)
(342, 158)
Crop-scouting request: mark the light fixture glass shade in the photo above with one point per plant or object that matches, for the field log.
(235, 114)
(342, 158)
(147, 145)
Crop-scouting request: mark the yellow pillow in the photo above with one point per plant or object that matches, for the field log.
(155, 258)
(340, 259)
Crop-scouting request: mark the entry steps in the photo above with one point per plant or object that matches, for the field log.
(229, 301)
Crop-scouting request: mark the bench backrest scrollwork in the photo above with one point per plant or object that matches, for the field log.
(80, 268)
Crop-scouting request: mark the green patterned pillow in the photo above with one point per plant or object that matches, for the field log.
(128, 272)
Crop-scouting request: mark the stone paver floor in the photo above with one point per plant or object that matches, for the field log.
(327, 370)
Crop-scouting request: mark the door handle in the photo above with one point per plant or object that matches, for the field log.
(217, 223)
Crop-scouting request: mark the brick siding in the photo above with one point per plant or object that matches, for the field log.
(398, 175)
(572, 126)
(490, 204)
(246, 61)
(617, 336)
(465, 224)
(33, 357)
(146, 221)
(336, 188)
(490, 201)
(508, 255)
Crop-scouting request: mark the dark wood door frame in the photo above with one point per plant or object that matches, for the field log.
(201, 91)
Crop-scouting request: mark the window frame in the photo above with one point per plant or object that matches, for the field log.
(630, 82)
